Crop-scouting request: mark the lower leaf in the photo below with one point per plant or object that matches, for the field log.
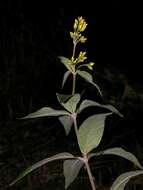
(67, 122)
(71, 170)
(60, 156)
(123, 179)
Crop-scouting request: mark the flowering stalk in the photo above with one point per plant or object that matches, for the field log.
(79, 26)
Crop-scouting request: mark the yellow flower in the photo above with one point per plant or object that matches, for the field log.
(75, 36)
(72, 34)
(82, 39)
(73, 61)
(81, 24)
(81, 57)
(90, 65)
(75, 24)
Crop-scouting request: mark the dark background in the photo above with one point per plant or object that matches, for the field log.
(32, 36)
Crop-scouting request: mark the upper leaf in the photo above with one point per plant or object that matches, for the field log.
(66, 62)
(60, 156)
(71, 103)
(124, 154)
(66, 75)
(91, 132)
(88, 103)
(88, 77)
(123, 179)
(67, 122)
(46, 111)
(71, 170)
(62, 98)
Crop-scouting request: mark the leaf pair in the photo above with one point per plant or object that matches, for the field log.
(72, 166)
(70, 103)
(83, 74)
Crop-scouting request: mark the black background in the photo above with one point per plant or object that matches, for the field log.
(32, 36)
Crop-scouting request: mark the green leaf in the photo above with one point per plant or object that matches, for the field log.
(124, 154)
(66, 75)
(88, 77)
(67, 122)
(71, 170)
(71, 104)
(88, 103)
(66, 62)
(62, 98)
(91, 132)
(46, 111)
(60, 156)
(123, 179)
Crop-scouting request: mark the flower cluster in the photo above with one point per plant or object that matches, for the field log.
(79, 26)
(80, 58)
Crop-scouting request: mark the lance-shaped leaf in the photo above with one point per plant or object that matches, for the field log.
(71, 103)
(91, 132)
(60, 156)
(62, 98)
(88, 77)
(89, 103)
(46, 111)
(124, 154)
(123, 179)
(67, 122)
(71, 170)
(66, 75)
(66, 62)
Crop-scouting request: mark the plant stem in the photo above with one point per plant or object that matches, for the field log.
(89, 173)
(74, 74)
(73, 85)
(75, 125)
(74, 48)
(84, 156)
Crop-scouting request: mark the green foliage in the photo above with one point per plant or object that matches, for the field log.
(89, 103)
(71, 170)
(66, 75)
(60, 156)
(67, 122)
(123, 179)
(119, 152)
(66, 61)
(88, 77)
(45, 112)
(62, 98)
(124, 154)
(71, 104)
(89, 134)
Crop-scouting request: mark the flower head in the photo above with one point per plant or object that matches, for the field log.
(81, 57)
(79, 26)
(90, 65)
(73, 61)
